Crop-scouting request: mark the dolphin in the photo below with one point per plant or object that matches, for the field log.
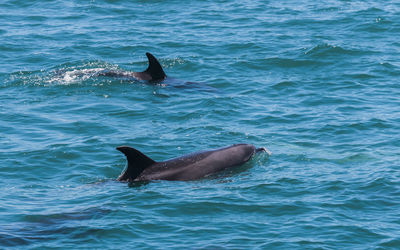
(188, 167)
(153, 73)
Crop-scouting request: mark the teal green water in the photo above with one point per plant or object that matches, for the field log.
(315, 83)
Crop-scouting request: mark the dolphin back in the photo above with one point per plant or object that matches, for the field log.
(188, 167)
(137, 162)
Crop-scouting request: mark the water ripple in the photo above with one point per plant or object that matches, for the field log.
(314, 82)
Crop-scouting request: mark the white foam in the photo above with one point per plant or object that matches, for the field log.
(75, 75)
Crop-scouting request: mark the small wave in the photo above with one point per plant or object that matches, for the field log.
(390, 243)
(292, 63)
(11, 239)
(351, 128)
(378, 25)
(360, 76)
(370, 11)
(326, 50)
(289, 62)
(284, 85)
(66, 217)
(381, 185)
(354, 158)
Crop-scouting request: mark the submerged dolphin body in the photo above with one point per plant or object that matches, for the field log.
(153, 73)
(188, 167)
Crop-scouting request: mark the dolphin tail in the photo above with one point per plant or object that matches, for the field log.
(137, 162)
(263, 150)
(154, 70)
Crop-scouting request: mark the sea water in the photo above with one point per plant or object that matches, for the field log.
(317, 83)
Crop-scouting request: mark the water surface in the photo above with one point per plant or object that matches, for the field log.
(315, 83)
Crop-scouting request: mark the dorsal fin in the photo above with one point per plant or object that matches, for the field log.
(137, 162)
(154, 70)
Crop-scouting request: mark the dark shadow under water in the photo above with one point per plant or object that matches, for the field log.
(45, 226)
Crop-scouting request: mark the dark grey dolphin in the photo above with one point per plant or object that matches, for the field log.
(188, 167)
(153, 73)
